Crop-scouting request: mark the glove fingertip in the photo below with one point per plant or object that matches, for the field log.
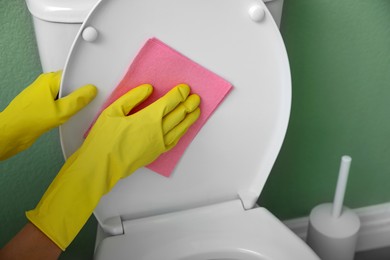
(173, 137)
(192, 102)
(75, 101)
(124, 104)
(90, 90)
(147, 87)
(84, 95)
(184, 90)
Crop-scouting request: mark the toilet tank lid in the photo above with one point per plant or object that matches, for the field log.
(61, 11)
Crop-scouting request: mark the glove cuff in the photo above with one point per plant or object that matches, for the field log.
(43, 227)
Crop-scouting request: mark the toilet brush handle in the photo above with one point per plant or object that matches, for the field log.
(341, 186)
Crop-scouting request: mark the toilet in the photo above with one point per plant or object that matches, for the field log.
(207, 208)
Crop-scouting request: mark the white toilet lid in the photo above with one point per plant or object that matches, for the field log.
(234, 152)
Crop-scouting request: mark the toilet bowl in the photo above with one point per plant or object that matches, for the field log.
(222, 231)
(207, 208)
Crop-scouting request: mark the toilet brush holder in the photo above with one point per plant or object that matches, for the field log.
(333, 229)
(333, 238)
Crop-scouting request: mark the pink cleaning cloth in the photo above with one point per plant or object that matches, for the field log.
(163, 67)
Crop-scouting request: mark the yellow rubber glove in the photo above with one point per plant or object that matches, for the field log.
(36, 110)
(116, 146)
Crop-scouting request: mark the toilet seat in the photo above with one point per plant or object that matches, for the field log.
(202, 233)
(230, 159)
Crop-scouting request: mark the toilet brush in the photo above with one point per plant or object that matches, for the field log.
(333, 228)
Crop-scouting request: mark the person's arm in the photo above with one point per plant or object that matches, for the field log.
(30, 243)
(117, 145)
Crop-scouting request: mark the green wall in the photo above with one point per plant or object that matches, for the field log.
(339, 54)
(340, 61)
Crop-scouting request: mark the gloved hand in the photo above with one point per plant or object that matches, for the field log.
(36, 110)
(116, 146)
